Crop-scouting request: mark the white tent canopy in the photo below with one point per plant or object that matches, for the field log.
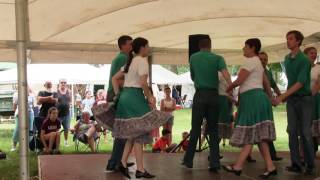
(85, 31)
(80, 74)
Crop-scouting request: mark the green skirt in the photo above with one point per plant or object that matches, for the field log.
(225, 117)
(316, 116)
(134, 118)
(254, 123)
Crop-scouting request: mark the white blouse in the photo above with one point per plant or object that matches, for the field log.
(222, 85)
(255, 78)
(315, 74)
(139, 67)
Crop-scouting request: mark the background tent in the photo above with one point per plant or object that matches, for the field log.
(80, 74)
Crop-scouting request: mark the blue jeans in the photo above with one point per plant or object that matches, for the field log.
(15, 136)
(299, 112)
(65, 122)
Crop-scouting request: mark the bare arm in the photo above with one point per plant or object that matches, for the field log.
(118, 76)
(226, 76)
(49, 99)
(174, 105)
(15, 106)
(162, 105)
(316, 87)
(43, 139)
(243, 75)
(145, 86)
(266, 85)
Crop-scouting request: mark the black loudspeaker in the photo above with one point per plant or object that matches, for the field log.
(194, 42)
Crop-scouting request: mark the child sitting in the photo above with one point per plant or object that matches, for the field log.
(162, 145)
(50, 134)
(185, 142)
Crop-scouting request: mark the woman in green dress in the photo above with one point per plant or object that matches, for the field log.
(254, 123)
(135, 119)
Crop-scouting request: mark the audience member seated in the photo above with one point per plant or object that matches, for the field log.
(184, 142)
(85, 131)
(2, 155)
(50, 135)
(162, 145)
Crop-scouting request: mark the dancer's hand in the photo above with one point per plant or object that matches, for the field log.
(277, 100)
(229, 89)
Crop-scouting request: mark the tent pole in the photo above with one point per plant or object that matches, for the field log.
(150, 70)
(72, 102)
(21, 39)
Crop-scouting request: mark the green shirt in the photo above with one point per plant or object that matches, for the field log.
(119, 61)
(270, 78)
(204, 67)
(298, 69)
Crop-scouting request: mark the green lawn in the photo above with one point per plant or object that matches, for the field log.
(9, 167)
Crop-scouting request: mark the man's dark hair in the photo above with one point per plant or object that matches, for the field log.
(298, 35)
(123, 40)
(165, 132)
(205, 43)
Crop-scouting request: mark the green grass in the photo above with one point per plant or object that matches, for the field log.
(9, 168)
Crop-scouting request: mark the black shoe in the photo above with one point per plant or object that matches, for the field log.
(144, 174)
(214, 169)
(124, 171)
(250, 160)
(277, 159)
(230, 169)
(130, 164)
(308, 171)
(187, 165)
(294, 168)
(110, 168)
(267, 174)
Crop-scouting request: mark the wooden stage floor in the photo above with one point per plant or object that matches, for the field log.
(164, 166)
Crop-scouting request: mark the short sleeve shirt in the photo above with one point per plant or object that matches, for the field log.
(48, 126)
(298, 69)
(161, 144)
(204, 67)
(31, 100)
(46, 106)
(116, 65)
(87, 105)
(255, 78)
(139, 67)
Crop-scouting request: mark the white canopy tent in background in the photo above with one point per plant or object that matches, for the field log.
(188, 86)
(80, 74)
(85, 31)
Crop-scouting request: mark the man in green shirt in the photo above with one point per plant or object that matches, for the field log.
(264, 61)
(204, 67)
(125, 46)
(299, 104)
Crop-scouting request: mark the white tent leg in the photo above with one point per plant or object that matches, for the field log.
(21, 38)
